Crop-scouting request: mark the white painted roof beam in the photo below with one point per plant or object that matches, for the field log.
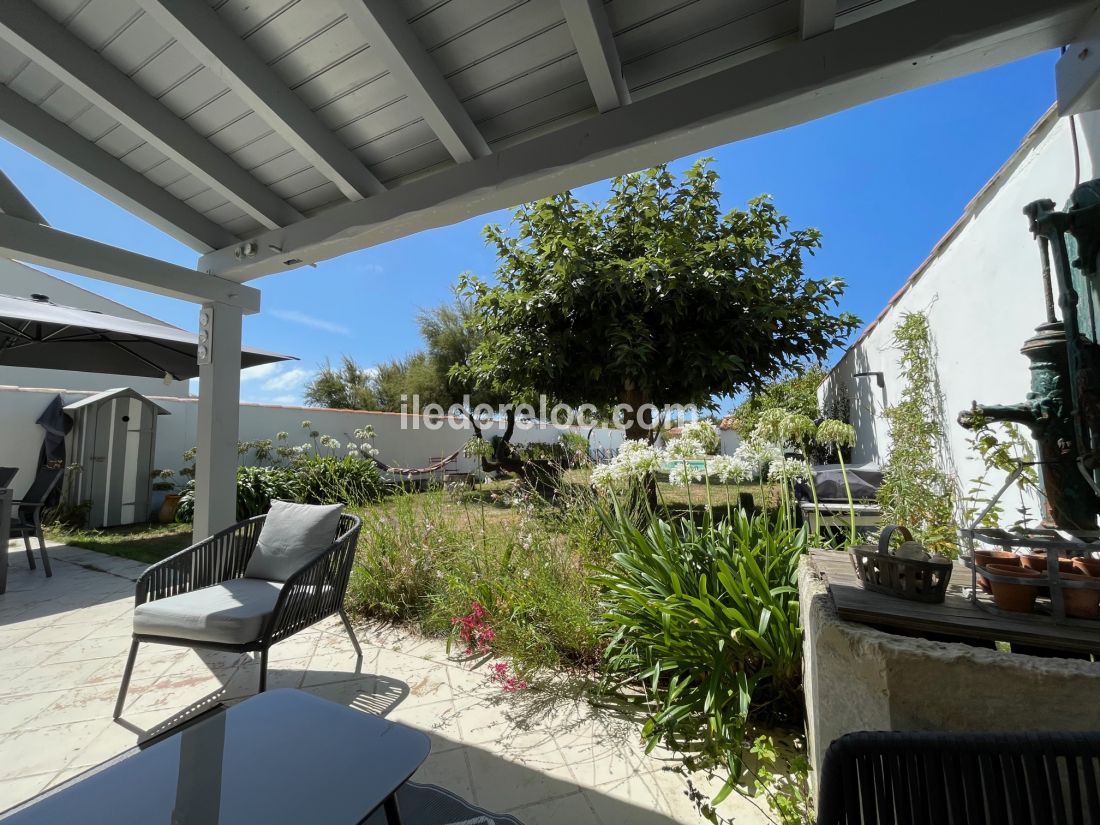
(816, 17)
(1077, 73)
(200, 30)
(13, 202)
(33, 130)
(42, 39)
(595, 43)
(907, 47)
(45, 246)
(387, 32)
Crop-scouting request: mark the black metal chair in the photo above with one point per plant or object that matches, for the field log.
(910, 778)
(27, 518)
(215, 569)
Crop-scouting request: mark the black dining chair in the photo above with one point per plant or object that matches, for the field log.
(27, 516)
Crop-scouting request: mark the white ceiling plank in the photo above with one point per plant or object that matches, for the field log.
(816, 17)
(1077, 73)
(200, 30)
(33, 130)
(42, 39)
(596, 49)
(45, 246)
(13, 202)
(913, 45)
(390, 37)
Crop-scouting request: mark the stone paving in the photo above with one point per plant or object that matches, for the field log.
(538, 754)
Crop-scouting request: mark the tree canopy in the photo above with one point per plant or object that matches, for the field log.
(655, 296)
(795, 393)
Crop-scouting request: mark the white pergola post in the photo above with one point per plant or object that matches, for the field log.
(219, 420)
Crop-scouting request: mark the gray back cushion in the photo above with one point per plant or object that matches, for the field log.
(293, 535)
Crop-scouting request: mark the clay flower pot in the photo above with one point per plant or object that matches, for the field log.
(1038, 561)
(1087, 567)
(1080, 602)
(984, 558)
(1019, 598)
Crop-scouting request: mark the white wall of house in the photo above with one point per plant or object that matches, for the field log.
(981, 289)
(22, 281)
(398, 442)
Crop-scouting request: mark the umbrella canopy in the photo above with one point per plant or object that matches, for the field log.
(36, 333)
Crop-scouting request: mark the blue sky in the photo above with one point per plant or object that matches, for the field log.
(883, 182)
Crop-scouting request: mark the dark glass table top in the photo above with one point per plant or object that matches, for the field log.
(280, 758)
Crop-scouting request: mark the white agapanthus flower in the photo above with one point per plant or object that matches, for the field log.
(684, 447)
(703, 433)
(330, 442)
(634, 462)
(684, 474)
(756, 455)
(729, 469)
(787, 469)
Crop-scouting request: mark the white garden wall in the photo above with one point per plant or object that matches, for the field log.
(981, 289)
(20, 437)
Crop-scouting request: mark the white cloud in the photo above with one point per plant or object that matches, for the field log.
(287, 380)
(294, 317)
(262, 371)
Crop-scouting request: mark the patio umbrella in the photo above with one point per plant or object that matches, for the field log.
(37, 333)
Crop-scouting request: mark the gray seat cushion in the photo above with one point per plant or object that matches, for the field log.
(293, 535)
(233, 612)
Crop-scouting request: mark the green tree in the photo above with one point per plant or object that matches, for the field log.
(653, 297)
(347, 387)
(795, 393)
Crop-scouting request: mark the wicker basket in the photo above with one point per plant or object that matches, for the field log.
(883, 572)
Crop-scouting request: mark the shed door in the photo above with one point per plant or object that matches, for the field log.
(121, 462)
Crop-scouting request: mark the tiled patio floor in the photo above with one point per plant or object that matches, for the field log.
(538, 754)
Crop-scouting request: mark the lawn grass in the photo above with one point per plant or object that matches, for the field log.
(147, 543)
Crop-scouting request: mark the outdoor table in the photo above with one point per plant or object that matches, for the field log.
(5, 534)
(280, 758)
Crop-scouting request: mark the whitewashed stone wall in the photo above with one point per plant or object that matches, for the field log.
(981, 290)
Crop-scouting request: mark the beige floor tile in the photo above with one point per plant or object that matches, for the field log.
(437, 717)
(47, 749)
(87, 649)
(16, 657)
(573, 809)
(56, 633)
(447, 769)
(16, 791)
(501, 785)
(47, 677)
(17, 711)
(620, 809)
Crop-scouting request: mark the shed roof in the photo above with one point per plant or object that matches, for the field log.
(110, 395)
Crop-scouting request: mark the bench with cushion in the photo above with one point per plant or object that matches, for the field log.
(249, 586)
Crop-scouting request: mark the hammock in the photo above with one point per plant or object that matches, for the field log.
(407, 471)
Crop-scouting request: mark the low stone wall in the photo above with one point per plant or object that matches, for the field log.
(859, 678)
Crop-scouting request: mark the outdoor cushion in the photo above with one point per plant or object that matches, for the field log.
(293, 535)
(233, 612)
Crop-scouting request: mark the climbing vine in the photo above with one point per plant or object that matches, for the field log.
(916, 490)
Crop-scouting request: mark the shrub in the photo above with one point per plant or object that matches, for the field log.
(328, 479)
(704, 621)
(256, 487)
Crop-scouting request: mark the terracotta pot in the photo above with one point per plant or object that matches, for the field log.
(1080, 602)
(984, 558)
(1019, 598)
(1087, 567)
(167, 512)
(1038, 561)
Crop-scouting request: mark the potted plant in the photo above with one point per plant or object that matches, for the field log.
(165, 483)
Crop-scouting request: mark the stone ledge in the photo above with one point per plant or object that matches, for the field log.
(860, 678)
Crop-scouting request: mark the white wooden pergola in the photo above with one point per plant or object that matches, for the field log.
(269, 134)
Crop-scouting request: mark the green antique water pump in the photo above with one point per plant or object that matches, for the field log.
(1063, 408)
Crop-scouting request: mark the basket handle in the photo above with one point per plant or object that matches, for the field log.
(888, 533)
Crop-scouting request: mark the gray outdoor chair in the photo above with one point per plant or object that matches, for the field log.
(27, 516)
(249, 586)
